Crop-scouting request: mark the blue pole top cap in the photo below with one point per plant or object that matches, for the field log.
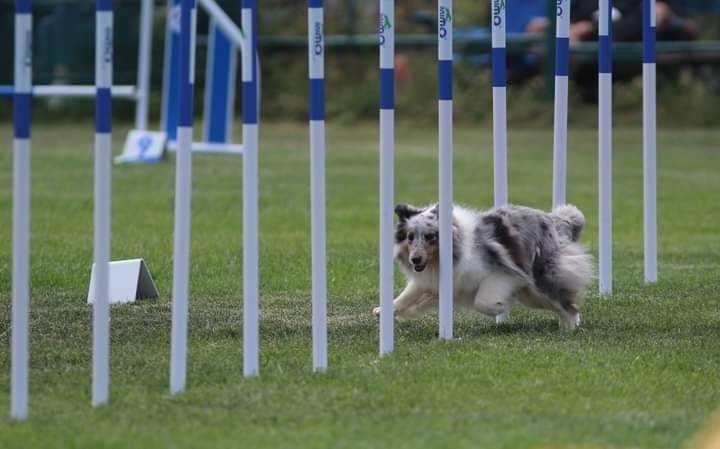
(22, 6)
(103, 5)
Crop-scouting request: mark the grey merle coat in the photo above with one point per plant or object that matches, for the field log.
(501, 257)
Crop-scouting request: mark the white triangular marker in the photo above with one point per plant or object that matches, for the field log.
(129, 280)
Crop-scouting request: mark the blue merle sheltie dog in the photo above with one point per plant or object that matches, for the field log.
(502, 256)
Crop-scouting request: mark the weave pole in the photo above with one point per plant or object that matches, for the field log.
(251, 314)
(445, 124)
(387, 176)
(649, 141)
(103, 182)
(499, 94)
(605, 146)
(19, 390)
(147, 8)
(316, 68)
(560, 136)
(183, 192)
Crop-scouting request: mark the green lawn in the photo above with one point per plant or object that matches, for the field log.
(641, 373)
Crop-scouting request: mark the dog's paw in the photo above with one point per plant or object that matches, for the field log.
(502, 318)
(570, 324)
(376, 313)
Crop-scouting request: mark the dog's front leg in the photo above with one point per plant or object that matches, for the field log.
(405, 304)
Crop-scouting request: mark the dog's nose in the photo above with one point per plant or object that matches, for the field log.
(416, 260)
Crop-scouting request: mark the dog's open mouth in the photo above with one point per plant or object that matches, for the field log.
(419, 268)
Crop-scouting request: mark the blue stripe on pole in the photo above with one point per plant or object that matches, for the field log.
(222, 49)
(605, 54)
(649, 37)
(562, 56)
(387, 88)
(255, 82)
(249, 103)
(22, 6)
(316, 3)
(186, 107)
(445, 79)
(21, 119)
(103, 5)
(499, 67)
(649, 53)
(317, 99)
(249, 88)
(172, 82)
(185, 87)
(103, 110)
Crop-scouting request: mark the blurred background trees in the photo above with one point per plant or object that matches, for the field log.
(64, 31)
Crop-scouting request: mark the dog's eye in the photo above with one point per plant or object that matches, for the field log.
(430, 237)
(411, 237)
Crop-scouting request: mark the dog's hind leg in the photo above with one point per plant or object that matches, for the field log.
(503, 317)
(494, 296)
(571, 319)
(570, 279)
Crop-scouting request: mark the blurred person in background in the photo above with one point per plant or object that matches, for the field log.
(527, 16)
(627, 21)
(65, 41)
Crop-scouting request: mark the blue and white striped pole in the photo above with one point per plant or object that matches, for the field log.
(251, 314)
(103, 177)
(650, 141)
(142, 107)
(499, 90)
(445, 123)
(21, 212)
(499, 94)
(316, 69)
(387, 161)
(605, 146)
(170, 86)
(183, 193)
(562, 67)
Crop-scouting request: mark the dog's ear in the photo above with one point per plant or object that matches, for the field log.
(405, 211)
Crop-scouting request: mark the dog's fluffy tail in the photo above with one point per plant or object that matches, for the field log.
(569, 221)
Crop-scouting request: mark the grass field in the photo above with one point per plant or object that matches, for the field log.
(641, 373)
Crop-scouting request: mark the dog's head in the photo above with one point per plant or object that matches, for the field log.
(416, 236)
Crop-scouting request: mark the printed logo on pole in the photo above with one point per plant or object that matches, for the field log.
(27, 60)
(108, 45)
(498, 7)
(318, 39)
(385, 24)
(444, 21)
